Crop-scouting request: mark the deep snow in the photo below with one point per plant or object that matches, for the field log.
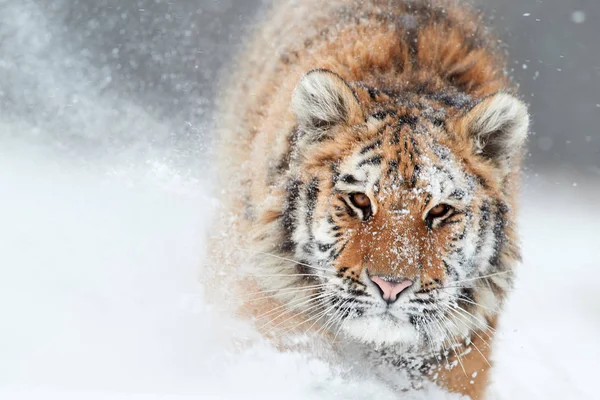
(99, 295)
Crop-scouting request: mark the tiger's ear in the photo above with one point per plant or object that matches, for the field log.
(498, 128)
(323, 100)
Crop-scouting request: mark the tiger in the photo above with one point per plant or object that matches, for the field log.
(368, 162)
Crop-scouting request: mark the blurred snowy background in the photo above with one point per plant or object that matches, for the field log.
(104, 202)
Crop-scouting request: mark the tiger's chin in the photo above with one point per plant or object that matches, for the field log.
(383, 330)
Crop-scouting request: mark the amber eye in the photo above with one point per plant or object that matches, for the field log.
(439, 211)
(362, 201)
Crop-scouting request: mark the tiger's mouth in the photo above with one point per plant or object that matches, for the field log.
(382, 328)
(388, 315)
(412, 320)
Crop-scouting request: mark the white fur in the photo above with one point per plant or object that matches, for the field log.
(322, 96)
(502, 120)
(382, 330)
(315, 97)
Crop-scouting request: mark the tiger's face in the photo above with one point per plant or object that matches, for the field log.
(400, 213)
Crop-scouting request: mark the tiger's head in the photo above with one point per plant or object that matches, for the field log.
(398, 208)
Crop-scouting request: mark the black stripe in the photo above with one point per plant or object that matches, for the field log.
(419, 300)
(428, 198)
(417, 320)
(452, 99)
(335, 173)
(324, 247)
(441, 151)
(395, 140)
(484, 219)
(450, 271)
(372, 93)
(340, 251)
(499, 234)
(357, 292)
(467, 294)
(375, 160)
(415, 146)
(408, 119)
(288, 217)
(312, 192)
(349, 210)
(392, 167)
(382, 114)
(349, 179)
(436, 121)
(482, 181)
(307, 248)
(370, 147)
(415, 175)
(447, 222)
(462, 235)
(457, 194)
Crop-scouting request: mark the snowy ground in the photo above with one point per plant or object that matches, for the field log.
(98, 293)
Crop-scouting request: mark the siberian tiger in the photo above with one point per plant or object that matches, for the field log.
(369, 161)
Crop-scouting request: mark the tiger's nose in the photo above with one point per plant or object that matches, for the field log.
(390, 288)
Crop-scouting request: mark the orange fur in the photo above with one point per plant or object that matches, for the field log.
(417, 49)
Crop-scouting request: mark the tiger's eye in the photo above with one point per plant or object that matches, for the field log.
(361, 200)
(439, 211)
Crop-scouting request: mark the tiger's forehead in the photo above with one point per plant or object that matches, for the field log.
(429, 99)
(403, 157)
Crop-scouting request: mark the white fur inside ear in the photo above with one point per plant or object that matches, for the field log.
(323, 99)
(499, 127)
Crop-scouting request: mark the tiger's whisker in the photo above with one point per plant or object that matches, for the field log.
(474, 345)
(323, 314)
(441, 331)
(483, 277)
(473, 320)
(337, 315)
(282, 258)
(295, 304)
(290, 289)
(342, 320)
(274, 295)
(289, 318)
(280, 275)
(296, 307)
(455, 346)
(467, 300)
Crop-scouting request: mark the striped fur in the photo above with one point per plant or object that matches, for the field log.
(407, 102)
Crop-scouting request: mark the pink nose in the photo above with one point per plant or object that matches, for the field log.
(390, 288)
